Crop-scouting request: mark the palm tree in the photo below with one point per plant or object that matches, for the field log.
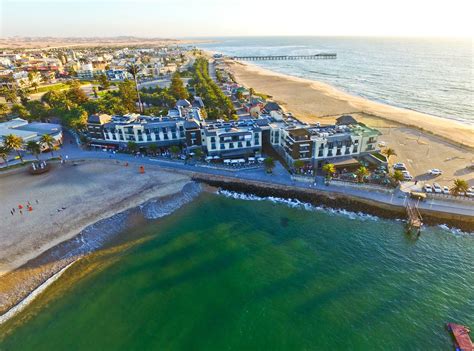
(460, 186)
(49, 141)
(34, 147)
(329, 169)
(132, 146)
(269, 164)
(14, 142)
(361, 173)
(174, 150)
(134, 70)
(4, 151)
(397, 176)
(153, 149)
(389, 152)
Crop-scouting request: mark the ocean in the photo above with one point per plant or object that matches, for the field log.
(236, 272)
(434, 76)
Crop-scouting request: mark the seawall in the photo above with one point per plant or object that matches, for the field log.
(334, 200)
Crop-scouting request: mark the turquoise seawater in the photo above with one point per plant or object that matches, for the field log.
(227, 274)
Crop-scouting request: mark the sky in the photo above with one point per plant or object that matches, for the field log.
(215, 18)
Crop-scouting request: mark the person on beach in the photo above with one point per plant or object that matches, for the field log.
(37, 202)
(11, 212)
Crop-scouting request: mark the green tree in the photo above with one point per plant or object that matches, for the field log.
(361, 173)
(132, 146)
(153, 148)
(103, 81)
(298, 164)
(134, 70)
(198, 153)
(4, 109)
(128, 94)
(175, 150)
(20, 111)
(329, 169)
(14, 142)
(389, 152)
(37, 110)
(48, 141)
(397, 176)
(269, 164)
(4, 152)
(459, 186)
(76, 94)
(177, 88)
(10, 94)
(34, 148)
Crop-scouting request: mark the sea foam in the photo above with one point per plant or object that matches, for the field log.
(295, 203)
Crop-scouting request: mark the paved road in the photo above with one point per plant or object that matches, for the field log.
(280, 177)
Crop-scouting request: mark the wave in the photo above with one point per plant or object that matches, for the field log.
(295, 203)
(158, 208)
(57, 259)
(455, 231)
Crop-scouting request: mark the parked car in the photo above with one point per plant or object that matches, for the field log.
(470, 192)
(427, 188)
(406, 175)
(437, 188)
(435, 172)
(400, 166)
(446, 190)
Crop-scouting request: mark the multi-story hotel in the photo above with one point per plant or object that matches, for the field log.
(233, 139)
(317, 144)
(292, 139)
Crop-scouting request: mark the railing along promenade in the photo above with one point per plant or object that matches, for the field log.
(322, 56)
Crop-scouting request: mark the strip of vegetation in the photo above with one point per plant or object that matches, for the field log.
(218, 105)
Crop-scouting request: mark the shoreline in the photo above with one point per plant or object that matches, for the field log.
(57, 259)
(20, 287)
(334, 201)
(312, 101)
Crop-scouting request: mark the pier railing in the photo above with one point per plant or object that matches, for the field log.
(322, 56)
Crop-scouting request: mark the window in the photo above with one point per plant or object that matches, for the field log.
(239, 144)
(330, 153)
(231, 145)
(249, 144)
(213, 146)
(222, 146)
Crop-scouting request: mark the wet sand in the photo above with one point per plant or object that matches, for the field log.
(70, 198)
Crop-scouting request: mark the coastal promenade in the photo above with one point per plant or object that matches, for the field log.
(280, 177)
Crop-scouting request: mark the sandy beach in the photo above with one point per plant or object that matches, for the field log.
(420, 140)
(69, 199)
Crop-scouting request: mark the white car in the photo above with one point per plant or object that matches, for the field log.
(446, 190)
(407, 175)
(400, 166)
(435, 172)
(470, 192)
(428, 188)
(437, 188)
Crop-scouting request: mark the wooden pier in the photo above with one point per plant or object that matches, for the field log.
(286, 57)
(415, 221)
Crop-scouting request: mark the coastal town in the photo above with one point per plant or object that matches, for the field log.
(180, 104)
(179, 175)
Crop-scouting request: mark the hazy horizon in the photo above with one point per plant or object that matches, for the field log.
(214, 18)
